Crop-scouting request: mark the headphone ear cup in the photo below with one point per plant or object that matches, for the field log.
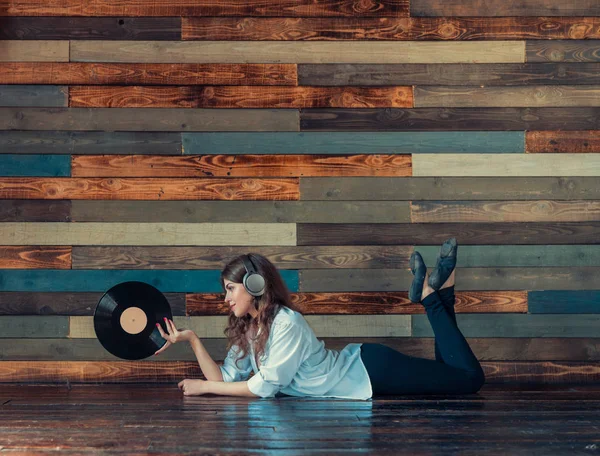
(254, 284)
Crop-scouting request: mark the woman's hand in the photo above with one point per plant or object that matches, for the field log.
(193, 387)
(173, 335)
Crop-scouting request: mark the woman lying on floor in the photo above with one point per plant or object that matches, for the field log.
(293, 362)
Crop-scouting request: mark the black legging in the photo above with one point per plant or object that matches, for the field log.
(455, 369)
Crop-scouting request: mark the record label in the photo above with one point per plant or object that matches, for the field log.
(133, 320)
(125, 320)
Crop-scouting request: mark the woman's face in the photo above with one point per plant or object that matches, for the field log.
(239, 300)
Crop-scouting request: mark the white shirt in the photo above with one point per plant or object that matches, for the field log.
(296, 363)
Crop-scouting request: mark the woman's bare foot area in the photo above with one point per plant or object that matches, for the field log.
(450, 282)
(427, 290)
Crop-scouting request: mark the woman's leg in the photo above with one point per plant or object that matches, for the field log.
(392, 372)
(448, 301)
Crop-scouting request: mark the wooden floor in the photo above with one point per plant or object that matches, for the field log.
(143, 419)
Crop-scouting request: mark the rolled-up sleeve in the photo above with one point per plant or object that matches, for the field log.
(286, 353)
(232, 372)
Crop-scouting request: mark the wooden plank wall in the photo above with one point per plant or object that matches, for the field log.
(155, 140)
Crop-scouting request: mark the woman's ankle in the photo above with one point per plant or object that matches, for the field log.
(431, 300)
(446, 292)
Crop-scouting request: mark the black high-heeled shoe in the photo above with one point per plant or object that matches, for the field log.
(446, 262)
(419, 270)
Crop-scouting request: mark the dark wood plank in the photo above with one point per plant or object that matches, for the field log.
(34, 95)
(562, 51)
(548, 372)
(97, 371)
(497, 395)
(214, 439)
(553, 142)
(450, 188)
(509, 325)
(480, 279)
(353, 142)
(100, 417)
(33, 327)
(149, 188)
(503, 416)
(241, 165)
(524, 372)
(301, 8)
(484, 348)
(189, 257)
(553, 400)
(503, 8)
(100, 73)
(34, 211)
(148, 119)
(91, 28)
(243, 211)
(436, 233)
(389, 28)
(57, 303)
(332, 119)
(239, 97)
(35, 257)
(89, 142)
(167, 281)
(372, 303)
(564, 302)
(504, 211)
(457, 74)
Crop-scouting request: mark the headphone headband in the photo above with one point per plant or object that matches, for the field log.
(248, 264)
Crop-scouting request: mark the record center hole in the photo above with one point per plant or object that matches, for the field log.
(133, 320)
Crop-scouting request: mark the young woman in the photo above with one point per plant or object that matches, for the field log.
(268, 335)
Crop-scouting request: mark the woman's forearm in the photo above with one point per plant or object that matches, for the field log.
(230, 389)
(209, 368)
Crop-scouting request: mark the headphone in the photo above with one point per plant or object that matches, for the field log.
(254, 283)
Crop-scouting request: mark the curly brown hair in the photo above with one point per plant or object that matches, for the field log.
(276, 295)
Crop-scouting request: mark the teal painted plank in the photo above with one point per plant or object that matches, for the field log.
(202, 281)
(35, 165)
(511, 325)
(355, 142)
(34, 96)
(484, 256)
(564, 302)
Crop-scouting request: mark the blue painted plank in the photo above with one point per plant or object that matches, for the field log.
(354, 142)
(34, 96)
(167, 281)
(35, 165)
(564, 302)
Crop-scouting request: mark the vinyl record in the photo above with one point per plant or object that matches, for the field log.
(125, 320)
